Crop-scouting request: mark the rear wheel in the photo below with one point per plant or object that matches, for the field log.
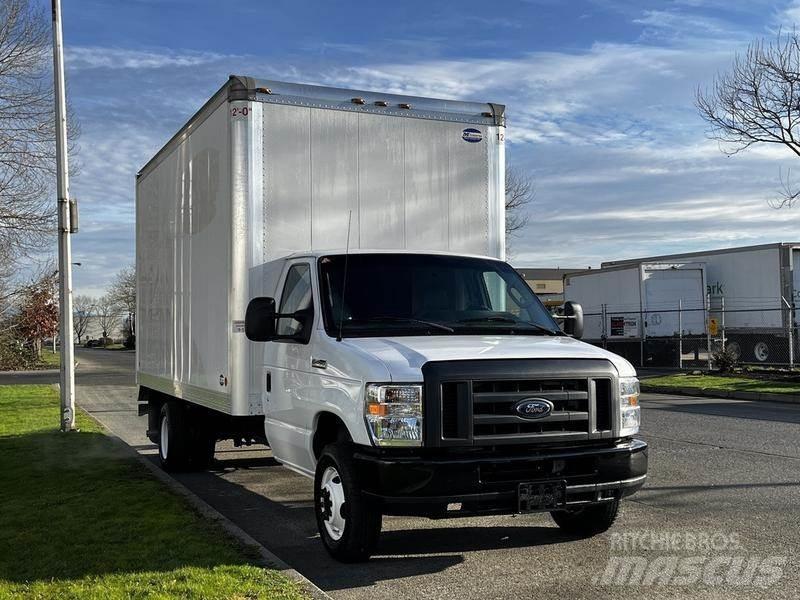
(761, 351)
(589, 520)
(349, 524)
(184, 441)
(173, 438)
(735, 349)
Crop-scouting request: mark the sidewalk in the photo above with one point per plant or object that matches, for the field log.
(711, 392)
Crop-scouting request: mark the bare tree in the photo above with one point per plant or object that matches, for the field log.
(27, 128)
(83, 308)
(107, 315)
(520, 192)
(758, 102)
(123, 292)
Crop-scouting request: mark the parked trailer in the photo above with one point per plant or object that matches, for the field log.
(322, 270)
(752, 291)
(654, 301)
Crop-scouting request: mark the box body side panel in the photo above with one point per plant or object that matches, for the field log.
(183, 225)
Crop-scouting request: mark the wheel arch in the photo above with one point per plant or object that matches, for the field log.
(329, 427)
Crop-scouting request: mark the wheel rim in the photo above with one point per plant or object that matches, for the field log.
(761, 351)
(163, 445)
(332, 502)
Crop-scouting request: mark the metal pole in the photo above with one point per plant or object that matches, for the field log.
(722, 322)
(791, 333)
(642, 337)
(680, 333)
(67, 379)
(603, 329)
(708, 329)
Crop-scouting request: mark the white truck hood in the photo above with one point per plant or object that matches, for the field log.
(404, 356)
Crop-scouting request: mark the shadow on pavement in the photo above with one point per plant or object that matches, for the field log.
(274, 506)
(739, 409)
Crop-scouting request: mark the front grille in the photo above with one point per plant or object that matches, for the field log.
(493, 407)
(478, 408)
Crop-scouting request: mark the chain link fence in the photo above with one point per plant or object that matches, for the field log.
(761, 333)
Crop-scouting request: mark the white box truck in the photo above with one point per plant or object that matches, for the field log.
(758, 287)
(321, 270)
(626, 304)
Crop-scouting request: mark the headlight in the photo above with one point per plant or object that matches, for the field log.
(629, 411)
(394, 414)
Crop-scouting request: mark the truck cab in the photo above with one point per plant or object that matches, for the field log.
(438, 384)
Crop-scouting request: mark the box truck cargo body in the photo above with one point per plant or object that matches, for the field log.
(291, 168)
(321, 270)
(752, 291)
(628, 303)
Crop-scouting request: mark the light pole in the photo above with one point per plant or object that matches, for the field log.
(67, 379)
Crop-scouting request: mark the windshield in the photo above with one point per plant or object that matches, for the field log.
(419, 294)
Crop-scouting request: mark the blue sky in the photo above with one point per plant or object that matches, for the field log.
(599, 101)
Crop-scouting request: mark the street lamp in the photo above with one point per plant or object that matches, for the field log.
(67, 224)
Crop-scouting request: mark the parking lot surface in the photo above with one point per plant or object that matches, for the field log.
(718, 518)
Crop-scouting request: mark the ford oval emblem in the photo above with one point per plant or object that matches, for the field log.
(533, 408)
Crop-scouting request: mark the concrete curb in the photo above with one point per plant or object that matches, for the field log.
(718, 393)
(33, 372)
(268, 559)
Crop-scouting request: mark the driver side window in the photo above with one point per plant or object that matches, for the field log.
(296, 296)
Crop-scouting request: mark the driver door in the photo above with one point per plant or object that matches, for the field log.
(287, 364)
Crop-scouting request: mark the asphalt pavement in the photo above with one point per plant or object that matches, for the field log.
(718, 518)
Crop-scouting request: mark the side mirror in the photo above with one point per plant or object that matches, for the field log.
(304, 316)
(259, 320)
(573, 319)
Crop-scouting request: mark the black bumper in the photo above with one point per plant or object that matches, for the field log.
(444, 484)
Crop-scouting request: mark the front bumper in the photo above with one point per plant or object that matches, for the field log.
(453, 483)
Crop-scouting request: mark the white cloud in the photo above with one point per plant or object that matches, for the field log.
(93, 57)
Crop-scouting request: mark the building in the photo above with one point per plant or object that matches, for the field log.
(548, 284)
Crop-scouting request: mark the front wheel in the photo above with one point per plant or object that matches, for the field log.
(349, 524)
(587, 521)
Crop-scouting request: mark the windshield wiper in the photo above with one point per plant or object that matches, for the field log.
(406, 320)
(510, 320)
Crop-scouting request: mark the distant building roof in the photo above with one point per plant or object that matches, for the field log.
(544, 273)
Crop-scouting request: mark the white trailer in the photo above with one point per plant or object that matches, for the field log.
(322, 270)
(653, 301)
(755, 285)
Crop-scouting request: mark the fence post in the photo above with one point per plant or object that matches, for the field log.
(708, 329)
(680, 333)
(641, 337)
(722, 321)
(604, 326)
(790, 322)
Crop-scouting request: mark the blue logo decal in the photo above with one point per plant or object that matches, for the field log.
(472, 135)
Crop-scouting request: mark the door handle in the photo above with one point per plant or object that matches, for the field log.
(319, 363)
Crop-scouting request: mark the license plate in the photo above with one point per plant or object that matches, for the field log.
(541, 495)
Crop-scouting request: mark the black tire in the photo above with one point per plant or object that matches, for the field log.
(174, 437)
(201, 452)
(589, 520)
(361, 529)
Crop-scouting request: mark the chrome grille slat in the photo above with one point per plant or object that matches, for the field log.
(482, 397)
(552, 418)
